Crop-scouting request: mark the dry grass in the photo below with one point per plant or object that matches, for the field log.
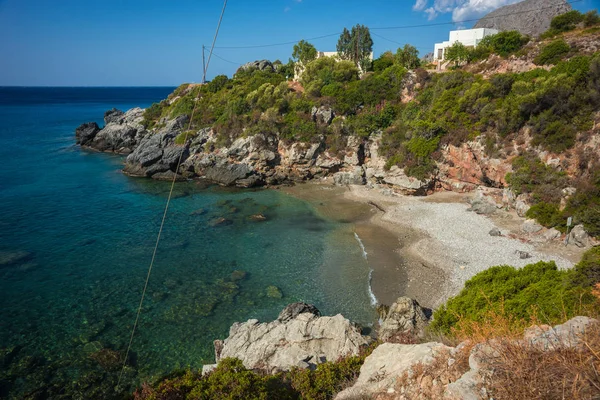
(428, 381)
(520, 370)
(511, 367)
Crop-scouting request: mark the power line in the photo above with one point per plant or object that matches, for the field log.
(276, 44)
(227, 61)
(398, 27)
(393, 41)
(164, 217)
(214, 41)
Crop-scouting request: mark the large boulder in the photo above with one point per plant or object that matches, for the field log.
(406, 184)
(578, 236)
(386, 365)
(298, 338)
(85, 133)
(259, 65)
(156, 154)
(355, 177)
(405, 316)
(322, 115)
(121, 134)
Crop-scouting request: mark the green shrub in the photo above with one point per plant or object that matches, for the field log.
(152, 114)
(587, 271)
(546, 214)
(566, 22)
(531, 175)
(591, 18)
(536, 290)
(504, 43)
(553, 52)
(184, 137)
(328, 378)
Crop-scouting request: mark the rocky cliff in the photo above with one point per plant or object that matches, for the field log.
(530, 17)
(255, 160)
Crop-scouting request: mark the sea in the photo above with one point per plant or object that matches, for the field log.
(77, 238)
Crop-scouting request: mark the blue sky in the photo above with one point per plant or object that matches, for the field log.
(158, 42)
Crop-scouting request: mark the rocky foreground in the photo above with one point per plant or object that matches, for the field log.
(300, 337)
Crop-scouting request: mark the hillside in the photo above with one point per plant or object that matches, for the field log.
(529, 17)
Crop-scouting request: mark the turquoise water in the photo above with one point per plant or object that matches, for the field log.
(76, 239)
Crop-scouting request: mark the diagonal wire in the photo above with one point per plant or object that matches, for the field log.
(164, 217)
(214, 41)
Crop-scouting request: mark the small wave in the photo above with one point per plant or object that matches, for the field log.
(374, 301)
(362, 246)
(372, 297)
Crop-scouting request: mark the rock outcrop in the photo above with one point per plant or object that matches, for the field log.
(261, 65)
(300, 337)
(530, 17)
(400, 371)
(121, 134)
(405, 316)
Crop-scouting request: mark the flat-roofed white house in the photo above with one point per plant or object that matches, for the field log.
(468, 37)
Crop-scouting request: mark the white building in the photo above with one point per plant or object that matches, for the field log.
(468, 37)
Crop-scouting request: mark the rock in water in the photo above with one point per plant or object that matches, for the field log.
(298, 338)
(529, 17)
(405, 316)
(85, 133)
(274, 292)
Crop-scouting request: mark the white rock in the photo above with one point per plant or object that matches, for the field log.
(386, 364)
(304, 340)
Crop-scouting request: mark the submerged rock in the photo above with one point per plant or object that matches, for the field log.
(238, 275)
(13, 257)
(274, 292)
(299, 338)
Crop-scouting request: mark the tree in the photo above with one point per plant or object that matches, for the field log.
(408, 57)
(304, 52)
(458, 53)
(356, 46)
(384, 61)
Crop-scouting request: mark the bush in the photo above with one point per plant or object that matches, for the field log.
(553, 52)
(587, 271)
(591, 18)
(537, 289)
(504, 43)
(546, 214)
(566, 22)
(152, 114)
(531, 175)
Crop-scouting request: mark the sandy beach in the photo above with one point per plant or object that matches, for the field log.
(428, 247)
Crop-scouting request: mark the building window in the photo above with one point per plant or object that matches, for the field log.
(440, 54)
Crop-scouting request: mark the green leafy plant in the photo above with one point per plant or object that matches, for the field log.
(553, 52)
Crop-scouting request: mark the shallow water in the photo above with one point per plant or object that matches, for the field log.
(76, 239)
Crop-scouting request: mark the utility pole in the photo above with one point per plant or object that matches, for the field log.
(203, 66)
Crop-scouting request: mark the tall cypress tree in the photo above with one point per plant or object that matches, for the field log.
(356, 46)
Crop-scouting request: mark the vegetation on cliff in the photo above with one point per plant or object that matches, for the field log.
(231, 380)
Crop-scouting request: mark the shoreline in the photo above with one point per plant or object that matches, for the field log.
(426, 248)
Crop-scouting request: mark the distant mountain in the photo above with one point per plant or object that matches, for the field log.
(530, 17)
